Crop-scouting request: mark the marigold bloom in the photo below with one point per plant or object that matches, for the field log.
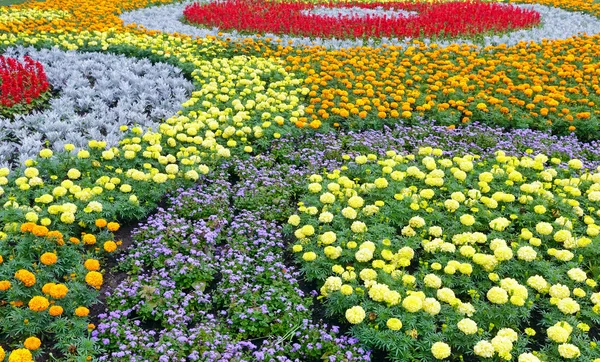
(58, 291)
(94, 279)
(113, 226)
(101, 223)
(92, 264)
(89, 239)
(38, 304)
(110, 246)
(48, 258)
(39, 230)
(20, 355)
(32, 343)
(55, 310)
(26, 277)
(82, 312)
(4, 285)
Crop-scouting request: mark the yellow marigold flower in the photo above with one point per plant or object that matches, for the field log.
(558, 333)
(55, 310)
(38, 304)
(355, 315)
(26, 277)
(101, 223)
(544, 228)
(48, 258)
(94, 279)
(568, 306)
(441, 350)
(467, 326)
(484, 349)
(346, 289)
(92, 264)
(32, 343)
(412, 303)
(309, 256)
(82, 312)
(2, 354)
(110, 246)
(497, 295)
(568, 350)
(528, 357)
(20, 355)
(394, 324)
(431, 306)
(467, 220)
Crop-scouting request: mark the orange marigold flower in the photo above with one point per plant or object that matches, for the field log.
(17, 303)
(92, 264)
(27, 227)
(32, 343)
(46, 288)
(113, 226)
(89, 239)
(101, 223)
(91, 326)
(56, 310)
(1, 259)
(38, 304)
(20, 355)
(56, 236)
(39, 230)
(110, 246)
(4, 285)
(48, 258)
(58, 291)
(74, 240)
(94, 279)
(82, 312)
(26, 277)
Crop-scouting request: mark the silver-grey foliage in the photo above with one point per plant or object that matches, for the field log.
(556, 24)
(97, 93)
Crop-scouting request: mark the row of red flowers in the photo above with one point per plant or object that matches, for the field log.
(21, 82)
(449, 19)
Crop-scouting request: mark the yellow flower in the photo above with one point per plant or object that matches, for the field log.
(497, 295)
(309, 256)
(544, 228)
(109, 246)
(558, 333)
(55, 310)
(412, 303)
(484, 349)
(20, 355)
(441, 350)
(294, 220)
(467, 220)
(355, 315)
(467, 326)
(394, 324)
(568, 350)
(328, 237)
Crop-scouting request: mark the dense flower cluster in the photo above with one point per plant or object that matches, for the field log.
(405, 236)
(446, 19)
(20, 84)
(446, 256)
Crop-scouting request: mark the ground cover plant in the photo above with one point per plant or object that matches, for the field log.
(206, 194)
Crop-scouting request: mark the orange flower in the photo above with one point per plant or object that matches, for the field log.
(82, 312)
(58, 291)
(92, 264)
(94, 279)
(110, 246)
(32, 343)
(38, 304)
(20, 355)
(101, 223)
(74, 240)
(26, 277)
(56, 236)
(113, 226)
(46, 288)
(27, 227)
(56, 310)
(89, 239)
(4, 285)
(48, 258)
(39, 230)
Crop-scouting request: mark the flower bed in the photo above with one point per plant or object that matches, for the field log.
(212, 277)
(448, 19)
(24, 86)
